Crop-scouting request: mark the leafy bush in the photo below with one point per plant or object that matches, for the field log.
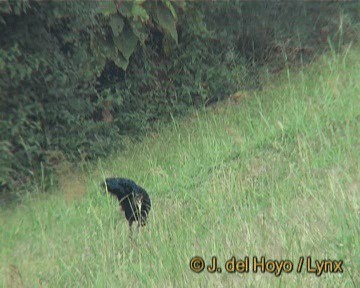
(53, 57)
(48, 98)
(76, 76)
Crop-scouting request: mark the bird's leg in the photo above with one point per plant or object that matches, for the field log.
(130, 227)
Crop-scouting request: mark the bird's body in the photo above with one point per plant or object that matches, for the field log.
(134, 200)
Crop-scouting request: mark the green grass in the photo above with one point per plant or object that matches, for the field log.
(274, 175)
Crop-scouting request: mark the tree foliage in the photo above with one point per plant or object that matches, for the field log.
(76, 76)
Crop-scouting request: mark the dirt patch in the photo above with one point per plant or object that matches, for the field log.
(73, 186)
(13, 277)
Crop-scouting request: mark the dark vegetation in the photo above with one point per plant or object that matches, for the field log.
(77, 77)
(133, 199)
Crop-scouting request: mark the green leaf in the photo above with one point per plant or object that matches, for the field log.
(124, 8)
(168, 4)
(5, 7)
(180, 4)
(17, 9)
(79, 57)
(126, 42)
(121, 62)
(139, 30)
(106, 7)
(139, 12)
(117, 24)
(167, 21)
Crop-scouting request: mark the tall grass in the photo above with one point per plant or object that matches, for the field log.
(275, 174)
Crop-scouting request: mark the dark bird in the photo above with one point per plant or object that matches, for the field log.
(133, 199)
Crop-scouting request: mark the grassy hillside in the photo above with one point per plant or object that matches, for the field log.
(273, 174)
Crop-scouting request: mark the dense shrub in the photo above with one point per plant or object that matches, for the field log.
(48, 95)
(76, 76)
